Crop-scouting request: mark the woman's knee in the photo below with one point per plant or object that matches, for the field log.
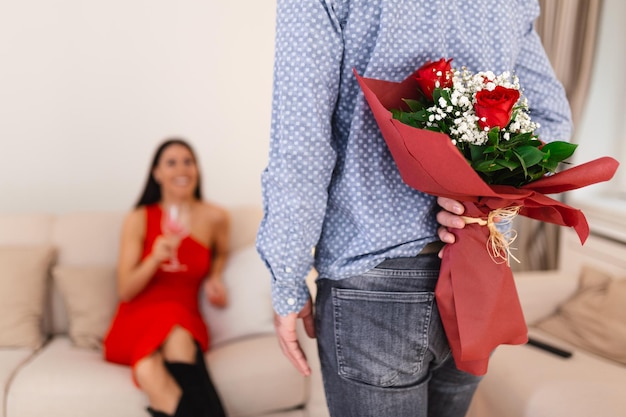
(179, 346)
(149, 370)
(153, 378)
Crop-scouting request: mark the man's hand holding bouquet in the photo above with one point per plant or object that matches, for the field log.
(469, 137)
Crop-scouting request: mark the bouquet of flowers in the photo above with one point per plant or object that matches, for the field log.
(487, 119)
(445, 144)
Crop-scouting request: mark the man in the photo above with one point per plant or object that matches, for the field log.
(331, 184)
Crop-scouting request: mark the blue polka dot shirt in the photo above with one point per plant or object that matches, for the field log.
(332, 195)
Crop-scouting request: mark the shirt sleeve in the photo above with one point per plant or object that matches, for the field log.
(307, 64)
(546, 96)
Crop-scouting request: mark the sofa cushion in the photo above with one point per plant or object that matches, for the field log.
(88, 238)
(10, 362)
(524, 381)
(249, 310)
(83, 239)
(23, 279)
(25, 228)
(594, 318)
(254, 378)
(63, 380)
(90, 297)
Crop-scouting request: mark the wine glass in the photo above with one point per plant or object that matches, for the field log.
(175, 223)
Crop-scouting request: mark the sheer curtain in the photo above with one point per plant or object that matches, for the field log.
(568, 30)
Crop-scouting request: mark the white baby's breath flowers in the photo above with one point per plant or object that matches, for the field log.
(458, 107)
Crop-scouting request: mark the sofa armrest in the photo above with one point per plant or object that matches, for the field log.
(541, 292)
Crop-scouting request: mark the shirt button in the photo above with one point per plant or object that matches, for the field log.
(288, 270)
(291, 301)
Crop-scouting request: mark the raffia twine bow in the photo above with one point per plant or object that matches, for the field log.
(498, 244)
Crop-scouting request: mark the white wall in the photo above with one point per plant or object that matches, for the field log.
(602, 131)
(89, 88)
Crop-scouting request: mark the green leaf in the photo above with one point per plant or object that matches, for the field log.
(487, 166)
(510, 165)
(490, 149)
(414, 105)
(529, 155)
(559, 150)
(436, 94)
(494, 136)
(535, 176)
(550, 165)
(521, 139)
(477, 152)
(445, 93)
(420, 116)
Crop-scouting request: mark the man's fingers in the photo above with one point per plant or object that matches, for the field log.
(288, 340)
(447, 219)
(308, 319)
(450, 205)
(296, 356)
(309, 326)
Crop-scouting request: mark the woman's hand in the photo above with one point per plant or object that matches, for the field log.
(449, 217)
(164, 248)
(133, 271)
(215, 292)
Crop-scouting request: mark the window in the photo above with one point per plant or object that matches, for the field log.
(602, 130)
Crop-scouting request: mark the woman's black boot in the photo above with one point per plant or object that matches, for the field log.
(195, 381)
(184, 409)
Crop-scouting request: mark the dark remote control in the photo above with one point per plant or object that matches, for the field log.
(549, 348)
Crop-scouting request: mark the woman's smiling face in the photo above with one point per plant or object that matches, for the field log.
(176, 172)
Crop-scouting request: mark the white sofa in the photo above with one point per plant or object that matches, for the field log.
(525, 381)
(72, 258)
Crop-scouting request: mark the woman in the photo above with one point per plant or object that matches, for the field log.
(158, 329)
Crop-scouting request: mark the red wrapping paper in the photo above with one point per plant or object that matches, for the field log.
(476, 296)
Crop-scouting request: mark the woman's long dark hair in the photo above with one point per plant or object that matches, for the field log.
(152, 191)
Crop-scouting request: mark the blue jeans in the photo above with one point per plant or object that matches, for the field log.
(382, 346)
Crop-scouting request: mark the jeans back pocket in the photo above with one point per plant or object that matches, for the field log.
(381, 337)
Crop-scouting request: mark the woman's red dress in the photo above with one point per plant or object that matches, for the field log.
(170, 299)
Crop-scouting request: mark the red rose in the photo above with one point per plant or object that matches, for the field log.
(434, 75)
(494, 108)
